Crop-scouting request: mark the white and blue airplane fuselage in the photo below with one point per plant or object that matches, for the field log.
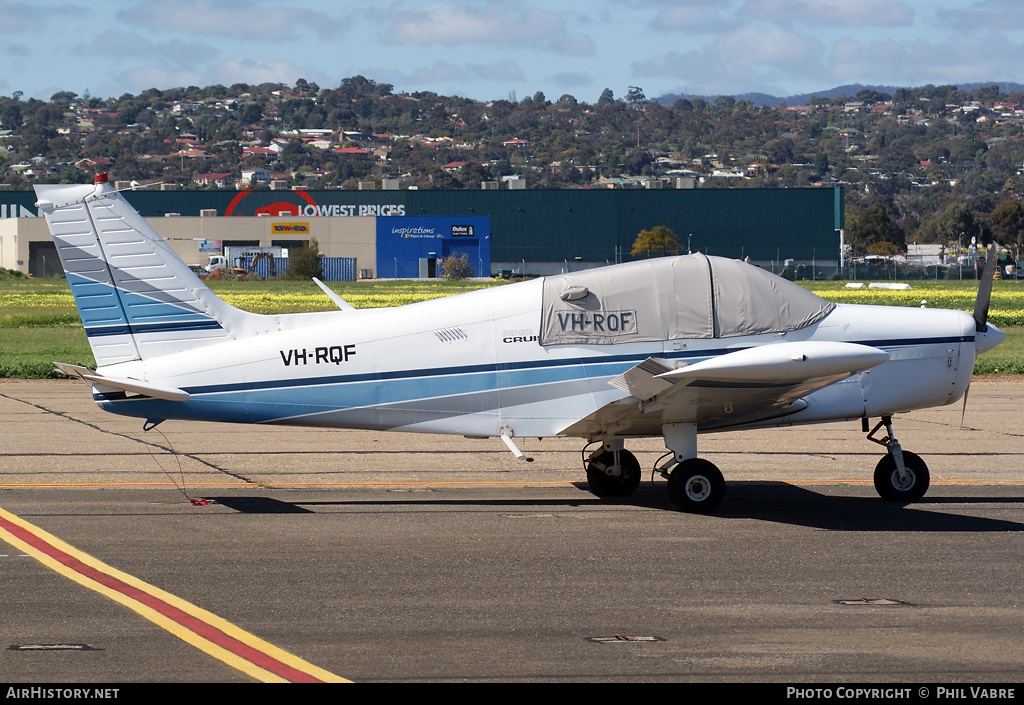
(670, 347)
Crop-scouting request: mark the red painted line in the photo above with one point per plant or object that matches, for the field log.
(195, 625)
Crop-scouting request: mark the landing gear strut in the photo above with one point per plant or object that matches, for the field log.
(900, 476)
(694, 485)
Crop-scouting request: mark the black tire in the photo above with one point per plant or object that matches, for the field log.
(887, 481)
(604, 485)
(696, 486)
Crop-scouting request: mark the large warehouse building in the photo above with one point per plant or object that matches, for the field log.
(394, 233)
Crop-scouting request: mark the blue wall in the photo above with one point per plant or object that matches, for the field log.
(402, 241)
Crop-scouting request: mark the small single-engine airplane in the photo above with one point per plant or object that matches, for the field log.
(669, 347)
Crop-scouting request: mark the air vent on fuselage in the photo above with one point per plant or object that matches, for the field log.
(451, 335)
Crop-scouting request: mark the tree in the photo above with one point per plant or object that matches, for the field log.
(249, 112)
(659, 241)
(305, 264)
(456, 267)
(821, 164)
(957, 223)
(871, 226)
(883, 248)
(635, 96)
(781, 151)
(1008, 221)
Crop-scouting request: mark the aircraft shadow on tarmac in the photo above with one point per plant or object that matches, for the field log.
(768, 501)
(789, 504)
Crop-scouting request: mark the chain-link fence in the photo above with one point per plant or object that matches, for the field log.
(885, 270)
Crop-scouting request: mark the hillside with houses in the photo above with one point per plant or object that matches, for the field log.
(929, 164)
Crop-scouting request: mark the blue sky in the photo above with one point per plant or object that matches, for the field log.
(486, 49)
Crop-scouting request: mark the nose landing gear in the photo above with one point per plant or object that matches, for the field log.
(900, 476)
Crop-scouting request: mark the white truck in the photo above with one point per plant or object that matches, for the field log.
(242, 257)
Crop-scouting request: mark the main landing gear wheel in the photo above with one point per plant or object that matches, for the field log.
(911, 488)
(696, 486)
(622, 484)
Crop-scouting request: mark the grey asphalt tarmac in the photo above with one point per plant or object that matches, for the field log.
(413, 558)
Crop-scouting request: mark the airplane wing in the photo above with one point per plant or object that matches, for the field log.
(741, 387)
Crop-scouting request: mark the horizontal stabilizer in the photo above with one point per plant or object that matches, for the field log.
(783, 363)
(106, 385)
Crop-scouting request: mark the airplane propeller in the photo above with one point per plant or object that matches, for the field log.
(981, 304)
(985, 290)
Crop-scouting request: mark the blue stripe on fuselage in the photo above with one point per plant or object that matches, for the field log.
(277, 399)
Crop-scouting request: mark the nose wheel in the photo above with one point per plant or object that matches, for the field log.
(909, 486)
(900, 476)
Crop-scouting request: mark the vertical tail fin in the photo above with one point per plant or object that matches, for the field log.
(137, 298)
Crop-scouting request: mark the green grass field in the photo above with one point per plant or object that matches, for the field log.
(39, 323)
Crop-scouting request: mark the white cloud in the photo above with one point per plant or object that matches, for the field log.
(691, 19)
(771, 45)
(700, 72)
(18, 17)
(988, 14)
(443, 72)
(492, 23)
(238, 18)
(15, 50)
(572, 46)
(572, 79)
(141, 78)
(244, 69)
(504, 70)
(237, 69)
(851, 13)
(438, 72)
(126, 45)
(846, 51)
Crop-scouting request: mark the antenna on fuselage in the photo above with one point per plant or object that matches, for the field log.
(338, 301)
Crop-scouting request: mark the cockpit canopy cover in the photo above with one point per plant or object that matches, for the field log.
(693, 296)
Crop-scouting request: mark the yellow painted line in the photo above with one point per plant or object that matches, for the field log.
(204, 630)
(153, 485)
